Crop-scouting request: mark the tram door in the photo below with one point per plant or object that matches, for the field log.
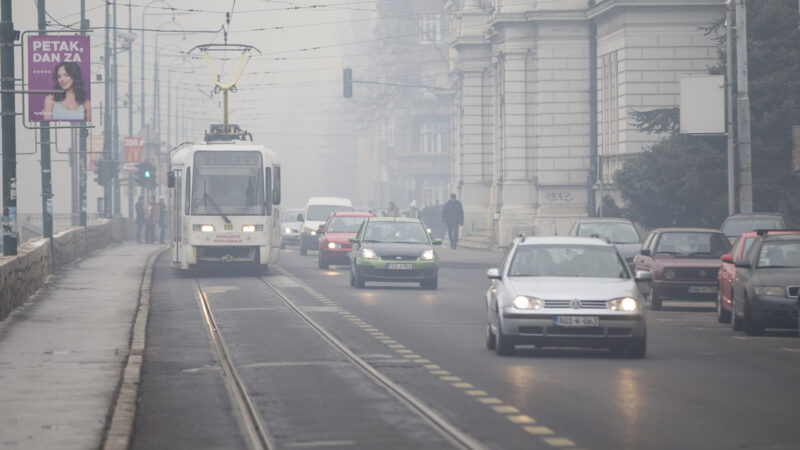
(177, 213)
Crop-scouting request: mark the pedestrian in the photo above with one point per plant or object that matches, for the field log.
(152, 220)
(140, 218)
(453, 217)
(392, 210)
(609, 207)
(163, 221)
(413, 211)
(427, 215)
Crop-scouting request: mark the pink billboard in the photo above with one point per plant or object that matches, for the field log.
(59, 63)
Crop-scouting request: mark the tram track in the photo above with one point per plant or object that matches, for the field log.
(251, 421)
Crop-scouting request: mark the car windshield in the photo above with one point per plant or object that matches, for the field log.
(345, 224)
(567, 261)
(405, 232)
(735, 227)
(779, 254)
(698, 244)
(291, 215)
(322, 212)
(618, 233)
(232, 183)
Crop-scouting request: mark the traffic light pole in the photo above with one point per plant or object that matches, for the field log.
(7, 37)
(44, 135)
(84, 132)
(107, 121)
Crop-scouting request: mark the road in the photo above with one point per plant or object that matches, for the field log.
(700, 386)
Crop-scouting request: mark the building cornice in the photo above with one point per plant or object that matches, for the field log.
(608, 6)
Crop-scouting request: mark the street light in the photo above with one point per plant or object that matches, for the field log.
(156, 106)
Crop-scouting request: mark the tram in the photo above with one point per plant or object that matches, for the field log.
(225, 197)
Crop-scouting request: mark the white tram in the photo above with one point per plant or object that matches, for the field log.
(224, 202)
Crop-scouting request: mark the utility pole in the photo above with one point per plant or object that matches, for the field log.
(130, 107)
(107, 125)
(8, 35)
(44, 135)
(743, 112)
(729, 96)
(84, 132)
(114, 103)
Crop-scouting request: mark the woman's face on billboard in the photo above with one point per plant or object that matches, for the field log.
(64, 79)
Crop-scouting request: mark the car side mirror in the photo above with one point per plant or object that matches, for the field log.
(645, 252)
(742, 264)
(643, 275)
(170, 179)
(320, 230)
(493, 274)
(353, 240)
(437, 242)
(300, 218)
(727, 257)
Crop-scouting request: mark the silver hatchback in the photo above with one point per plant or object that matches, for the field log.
(565, 291)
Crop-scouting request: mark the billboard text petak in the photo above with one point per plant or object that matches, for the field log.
(59, 63)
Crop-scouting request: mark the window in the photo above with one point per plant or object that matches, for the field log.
(432, 28)
(434, 138)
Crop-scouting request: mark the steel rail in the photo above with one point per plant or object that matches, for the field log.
(251, 419)
(449, 431)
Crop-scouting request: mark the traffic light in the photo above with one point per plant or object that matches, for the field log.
(150, 176)
(102, 173)
(348, 82)
(140, 169)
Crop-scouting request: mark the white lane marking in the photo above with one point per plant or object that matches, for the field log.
(792, 349)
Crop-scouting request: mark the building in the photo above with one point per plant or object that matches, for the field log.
(544, 91)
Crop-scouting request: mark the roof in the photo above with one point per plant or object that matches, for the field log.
(352, 214)
(751, 215)
(335, 201)
(690, 230)
(603, 219)
(787, 235)
(561, 240)
(393, 219)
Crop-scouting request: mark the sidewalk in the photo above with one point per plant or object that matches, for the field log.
(62, 354)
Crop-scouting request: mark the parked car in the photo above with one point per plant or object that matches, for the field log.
(394, 249)
(737, 224)
(316, 212)
(684, 263)
(565, 291)
(765, 290)
(334, 244)
(618, 231)
(290, 227)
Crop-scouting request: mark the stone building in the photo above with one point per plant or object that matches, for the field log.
(544, 91)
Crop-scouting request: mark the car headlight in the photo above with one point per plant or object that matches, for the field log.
(776, 291)
(312, 232)
(427, 254)
(252, 228)
(523, 302)
(429, 230)
(368, 253)
(287, 230)
(203, 228)
(334, 245)
(669, 274)
(627, 304)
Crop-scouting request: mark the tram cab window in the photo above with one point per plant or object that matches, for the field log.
(232, 185)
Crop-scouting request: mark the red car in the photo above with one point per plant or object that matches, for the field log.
(334, 244)
(683, 262)
(727, 272)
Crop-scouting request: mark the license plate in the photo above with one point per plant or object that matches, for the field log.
(703, 289)
(577, 321)
(399, 266)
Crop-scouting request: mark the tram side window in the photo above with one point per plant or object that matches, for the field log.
(268, 187)
(188, 190)
(276, 189)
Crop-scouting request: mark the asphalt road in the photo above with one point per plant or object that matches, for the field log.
(700, 386)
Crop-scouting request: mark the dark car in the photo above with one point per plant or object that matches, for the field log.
(765, 290)
(617, 231)
(394, 249)
(683, 262)
(737, 224)
(335, 234)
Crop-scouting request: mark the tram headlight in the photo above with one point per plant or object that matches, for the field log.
(203, 228)
(252, 228)
(287, 230)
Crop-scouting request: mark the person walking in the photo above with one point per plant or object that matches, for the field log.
(413, 211)
(392, 210)
(453, 217)
(140, 218)
(152, 220)
(163, 221)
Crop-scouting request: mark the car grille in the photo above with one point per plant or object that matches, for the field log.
(582, 304)
(573, 331)
(696, 274)
(399, 258)
(794, 291)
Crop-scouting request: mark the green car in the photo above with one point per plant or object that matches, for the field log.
(394, 249)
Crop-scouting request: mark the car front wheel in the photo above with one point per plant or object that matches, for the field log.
(322, 264)
(431, 284)
(502, 343)
(752, 327)
(490, 339)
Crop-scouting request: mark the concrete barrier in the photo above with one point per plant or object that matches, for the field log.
(23, 274)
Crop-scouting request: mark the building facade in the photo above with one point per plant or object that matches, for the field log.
(544, 92)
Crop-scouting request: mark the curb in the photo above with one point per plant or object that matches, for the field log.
(123, 410)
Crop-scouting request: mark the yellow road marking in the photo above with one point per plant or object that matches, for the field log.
(490, 401)
(476, 393)
(439, 372)
(789, 349)
(559, 442)
(450, 378)
(404, 351)
(432, 366)
(522, 418)
(538, 430)
(412, 356)
(421, 361)
(463, 385)
(505, 409)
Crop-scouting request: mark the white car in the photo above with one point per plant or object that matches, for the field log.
(565, 291)
(315, 215)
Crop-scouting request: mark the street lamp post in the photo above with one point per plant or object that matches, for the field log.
(156, 82)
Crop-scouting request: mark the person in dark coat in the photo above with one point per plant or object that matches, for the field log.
(453, 217)
(140, 218)
(152, 220)
(163, 221)
(427, 216)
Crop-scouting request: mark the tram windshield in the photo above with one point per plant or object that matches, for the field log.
(228, 183)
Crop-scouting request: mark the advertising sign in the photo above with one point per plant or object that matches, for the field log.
(702, 104)
(133, 153)
(59, 63)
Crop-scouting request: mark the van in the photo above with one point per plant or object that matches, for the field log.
(314, 216)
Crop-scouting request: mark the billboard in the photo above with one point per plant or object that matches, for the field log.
(59, 63)
(703, 104)
(133, 153)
